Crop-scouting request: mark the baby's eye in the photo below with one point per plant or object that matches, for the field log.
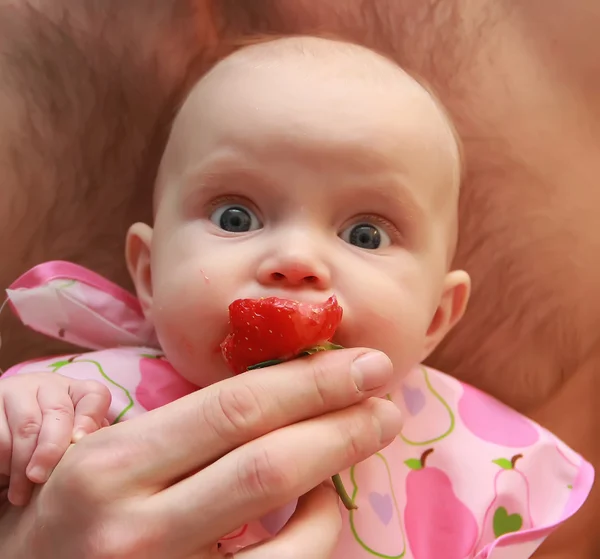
(235, 219)
(366, 235)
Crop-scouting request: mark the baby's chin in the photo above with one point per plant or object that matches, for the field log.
(405, 352)
(202, 371)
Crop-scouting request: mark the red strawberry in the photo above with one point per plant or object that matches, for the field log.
(276, 329)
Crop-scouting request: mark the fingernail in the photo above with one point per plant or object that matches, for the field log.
(37, 474)
(78, 435)
(371, 370)
(388, 420)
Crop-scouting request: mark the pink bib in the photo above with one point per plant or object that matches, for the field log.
(468, 477)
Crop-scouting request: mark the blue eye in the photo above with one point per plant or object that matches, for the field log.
(366, 235)
(235, 218)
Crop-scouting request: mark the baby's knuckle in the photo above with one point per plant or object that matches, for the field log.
(94, 387)
(28, 427)
(59, 409)
(19, 382)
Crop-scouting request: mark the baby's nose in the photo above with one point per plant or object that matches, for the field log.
(294, 273)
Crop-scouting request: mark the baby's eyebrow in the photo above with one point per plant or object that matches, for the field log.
(395, 196)
(212, 180)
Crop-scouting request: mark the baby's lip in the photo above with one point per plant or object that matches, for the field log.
(300, 296)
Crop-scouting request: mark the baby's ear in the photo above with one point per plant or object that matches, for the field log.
(137, 254)
(453, 303)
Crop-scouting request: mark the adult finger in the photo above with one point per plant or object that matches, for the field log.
(24, 420)
(91, 400)
(168, 443)
(313, 531)
(54, 437)
(268, 473)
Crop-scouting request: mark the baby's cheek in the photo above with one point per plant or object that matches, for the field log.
(173, 315)
(180, 301)
(183, 352)
(190, 341)
(399, 330)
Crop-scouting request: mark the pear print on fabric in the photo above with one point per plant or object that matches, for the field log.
(377, 523)
(438, 525)
(509, 510)
(431, 418)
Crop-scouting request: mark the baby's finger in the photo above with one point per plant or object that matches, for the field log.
(24, 420)
(91, 400)
(54, 438)
(5, 443)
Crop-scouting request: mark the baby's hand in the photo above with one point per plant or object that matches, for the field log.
(40, 415)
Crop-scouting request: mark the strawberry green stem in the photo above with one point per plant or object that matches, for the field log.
(343, 494)
(264, 364)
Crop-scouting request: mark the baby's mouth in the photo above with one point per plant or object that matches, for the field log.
(302, 296)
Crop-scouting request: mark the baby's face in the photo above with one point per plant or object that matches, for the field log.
(299, 180)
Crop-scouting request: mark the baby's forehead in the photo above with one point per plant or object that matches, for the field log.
(314, 66)
(309, 62)
(312, 56)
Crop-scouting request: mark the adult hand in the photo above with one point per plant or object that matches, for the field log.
(169, 484)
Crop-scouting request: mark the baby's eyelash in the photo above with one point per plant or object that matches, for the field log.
(230, 199)
(382, 222)
(215, 203)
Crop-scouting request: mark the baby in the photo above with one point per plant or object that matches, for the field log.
(301, 168)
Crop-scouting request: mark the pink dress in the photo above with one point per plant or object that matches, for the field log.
(468, 477)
